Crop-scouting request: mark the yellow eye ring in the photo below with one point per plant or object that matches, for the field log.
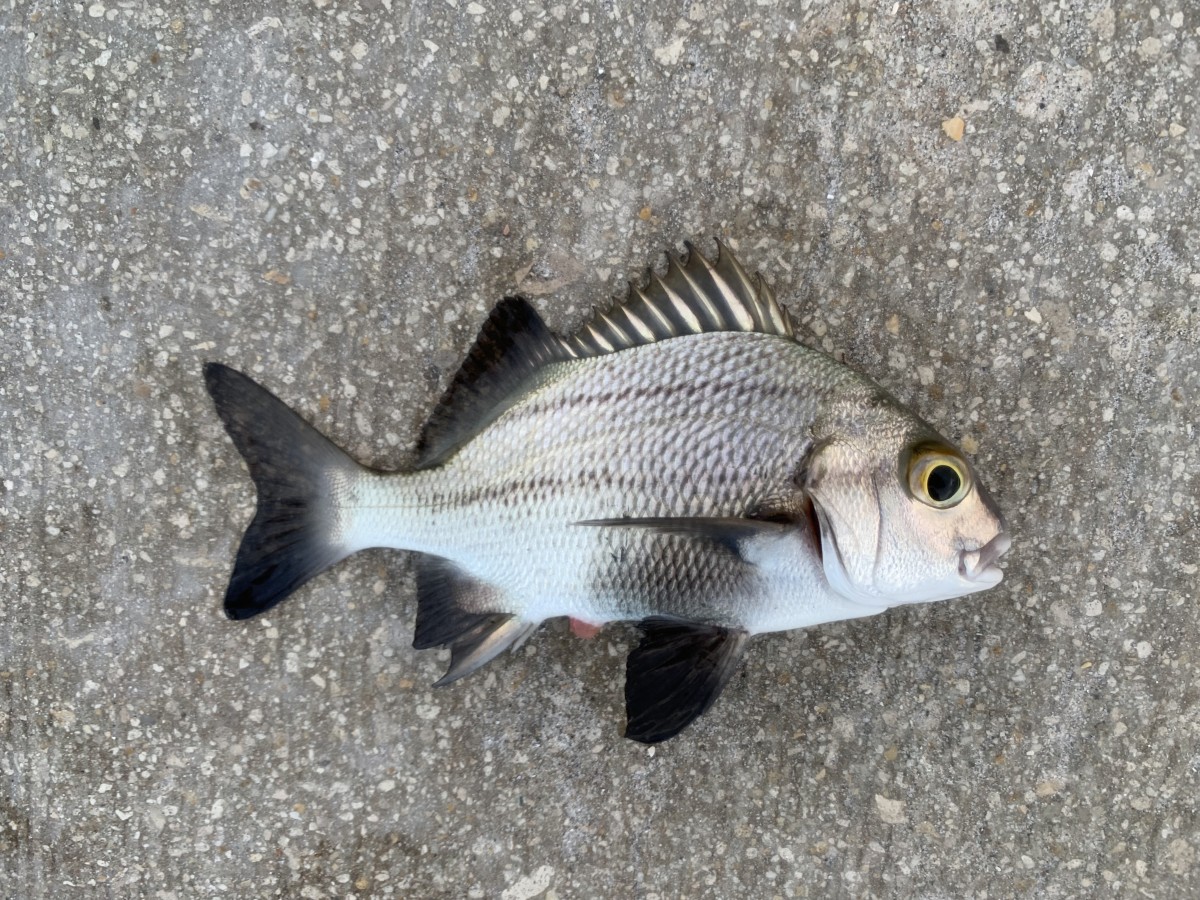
(938, 479)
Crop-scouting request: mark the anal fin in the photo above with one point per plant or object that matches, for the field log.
(675, 674)
(460, 612)
(475, 649)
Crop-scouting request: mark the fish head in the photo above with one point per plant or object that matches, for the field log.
(903, 517)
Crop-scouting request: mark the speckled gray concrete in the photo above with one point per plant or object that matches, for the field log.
(333, 194)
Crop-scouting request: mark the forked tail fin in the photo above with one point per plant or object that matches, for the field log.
(305, 485)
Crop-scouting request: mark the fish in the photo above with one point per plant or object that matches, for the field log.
(682, 462)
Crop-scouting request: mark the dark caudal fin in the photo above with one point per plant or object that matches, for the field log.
(300, 476)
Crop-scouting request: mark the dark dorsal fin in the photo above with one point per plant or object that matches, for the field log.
(675, 674)
(696, 296)
(513, 344)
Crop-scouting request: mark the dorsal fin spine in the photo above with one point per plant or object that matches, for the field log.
(689, 319)
(642, 330)
(746, 317)
(585, 347)
(716, 320)
(598, 339)
(727, 258)
(664, 323)
(778, 314)
(775, 316)
(617, 331)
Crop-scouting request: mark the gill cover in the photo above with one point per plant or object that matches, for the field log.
(902, 520)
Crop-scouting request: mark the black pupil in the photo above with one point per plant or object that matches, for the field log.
(943, 483)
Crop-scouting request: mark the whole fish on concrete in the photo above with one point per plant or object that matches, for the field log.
(682, 462)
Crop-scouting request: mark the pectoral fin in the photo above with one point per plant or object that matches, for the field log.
(675, 674)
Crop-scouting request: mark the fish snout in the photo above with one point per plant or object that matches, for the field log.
(979, 566)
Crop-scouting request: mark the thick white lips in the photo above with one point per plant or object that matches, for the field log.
(979, 566)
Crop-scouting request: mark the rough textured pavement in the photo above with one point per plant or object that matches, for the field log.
(990, 207)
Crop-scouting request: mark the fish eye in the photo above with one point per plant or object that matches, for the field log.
(938, 479)
(942, 482)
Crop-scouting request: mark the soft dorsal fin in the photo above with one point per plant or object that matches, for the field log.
(513, 344)
(695, 296)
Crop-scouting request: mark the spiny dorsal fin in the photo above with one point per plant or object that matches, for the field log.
(513, 344)
(696, 296)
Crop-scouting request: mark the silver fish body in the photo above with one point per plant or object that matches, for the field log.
(699, 427)
(683, 462)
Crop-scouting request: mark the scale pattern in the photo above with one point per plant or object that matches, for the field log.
(706, 425)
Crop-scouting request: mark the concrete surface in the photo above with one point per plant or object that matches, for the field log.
(332, 194)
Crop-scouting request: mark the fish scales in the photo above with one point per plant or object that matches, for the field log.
(683, 463)
(551, 458)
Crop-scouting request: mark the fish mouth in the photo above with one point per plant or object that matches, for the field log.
(979, 566)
